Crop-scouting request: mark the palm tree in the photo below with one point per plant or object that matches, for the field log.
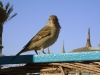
(5, 15)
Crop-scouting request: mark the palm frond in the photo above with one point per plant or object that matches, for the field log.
(7, 6)
(1, 5)
(12, 16)
(10, 10)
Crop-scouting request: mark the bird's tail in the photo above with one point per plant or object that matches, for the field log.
(17, 55)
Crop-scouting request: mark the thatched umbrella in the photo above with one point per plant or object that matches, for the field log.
(88, 46)
(63, 49)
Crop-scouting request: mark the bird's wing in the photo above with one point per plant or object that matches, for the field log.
(44, 32)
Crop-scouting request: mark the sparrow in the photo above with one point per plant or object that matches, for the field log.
(46, 37)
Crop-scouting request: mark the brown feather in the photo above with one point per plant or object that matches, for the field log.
(44, 32)
(46, 37)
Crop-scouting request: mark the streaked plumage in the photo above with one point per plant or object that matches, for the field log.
(46, 37)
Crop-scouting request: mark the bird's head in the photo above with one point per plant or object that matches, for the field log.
(53, 21)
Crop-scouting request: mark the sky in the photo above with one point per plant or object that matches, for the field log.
(75, 17)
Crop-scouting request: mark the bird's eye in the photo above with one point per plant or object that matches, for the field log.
(49, 19)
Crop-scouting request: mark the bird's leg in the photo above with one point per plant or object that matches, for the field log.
(36, 52)
(42, 50)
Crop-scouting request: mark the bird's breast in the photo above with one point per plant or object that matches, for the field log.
(52, 38)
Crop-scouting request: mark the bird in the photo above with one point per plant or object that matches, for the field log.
(46, 37)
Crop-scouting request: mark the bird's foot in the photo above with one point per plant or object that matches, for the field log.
(36, 52)
(43, 52)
